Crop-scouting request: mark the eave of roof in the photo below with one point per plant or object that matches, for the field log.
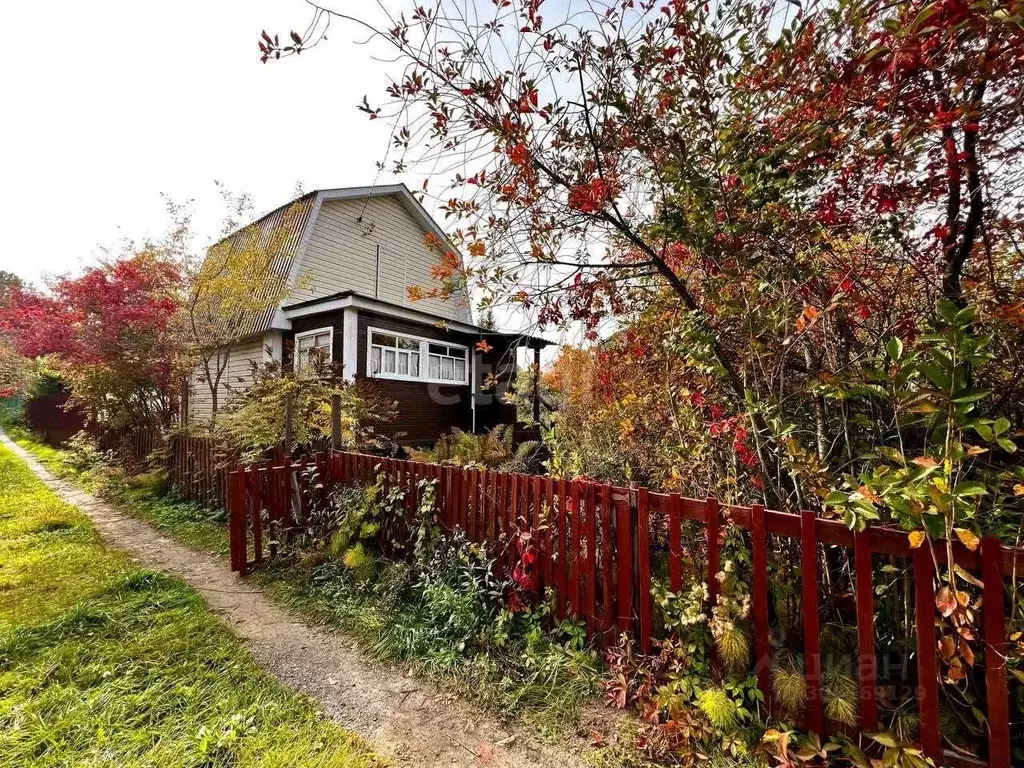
(531, 341)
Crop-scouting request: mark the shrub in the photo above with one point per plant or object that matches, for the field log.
(493, 449)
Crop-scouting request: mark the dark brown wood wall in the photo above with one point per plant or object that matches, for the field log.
(308, 323)
(425, 411)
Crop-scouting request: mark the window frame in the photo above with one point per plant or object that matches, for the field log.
(329, 330)
(424, 342)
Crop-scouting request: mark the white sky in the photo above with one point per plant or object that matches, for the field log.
(108, 103)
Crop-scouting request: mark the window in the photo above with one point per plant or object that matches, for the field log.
(397, 356)
(317, 344)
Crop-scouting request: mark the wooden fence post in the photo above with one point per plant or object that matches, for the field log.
(994, 622)
(812, 640)
(927, 669)
(289, 431)
(336, 422)
(867, 671)
(644, 567)
(762, 647)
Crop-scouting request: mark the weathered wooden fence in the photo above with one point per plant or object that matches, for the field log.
(196, 465)
(595, 546)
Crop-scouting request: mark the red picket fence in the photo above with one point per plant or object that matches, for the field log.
(595, 547)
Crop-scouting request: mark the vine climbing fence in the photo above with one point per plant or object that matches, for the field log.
(601, 546)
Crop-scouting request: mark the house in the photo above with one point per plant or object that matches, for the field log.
(349, 257)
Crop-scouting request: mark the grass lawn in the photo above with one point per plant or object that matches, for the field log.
(102, 663)
(542, 695)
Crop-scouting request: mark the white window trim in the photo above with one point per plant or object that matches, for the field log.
(295, 345)
(424, 359)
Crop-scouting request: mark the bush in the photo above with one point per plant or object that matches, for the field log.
(254, 421)
(493, 450)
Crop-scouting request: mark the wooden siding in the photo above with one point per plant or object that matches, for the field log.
(425, 411)
(237, 378)
(341, 256)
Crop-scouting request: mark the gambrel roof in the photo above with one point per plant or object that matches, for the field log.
(291, 226)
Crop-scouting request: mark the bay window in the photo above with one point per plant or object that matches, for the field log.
(412, 358)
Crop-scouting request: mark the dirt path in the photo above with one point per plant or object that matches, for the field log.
(404, 718)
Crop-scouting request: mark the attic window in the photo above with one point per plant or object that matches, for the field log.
(315, 345)
(412, 358)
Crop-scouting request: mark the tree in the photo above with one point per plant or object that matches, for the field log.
(13, 367)
(107, 334)
(788, 187)
(236, 281)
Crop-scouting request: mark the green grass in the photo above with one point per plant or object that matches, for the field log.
(547, 692)
(142, 496)
(102, 663)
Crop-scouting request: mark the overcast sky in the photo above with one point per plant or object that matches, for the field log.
(108, 103)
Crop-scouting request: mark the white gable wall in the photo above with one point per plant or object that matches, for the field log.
(340, 255)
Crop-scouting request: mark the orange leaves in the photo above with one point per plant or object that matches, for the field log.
(483, 346)
(807, 318)
(868, 493)
(945, 601)
(916, 538)
(432, 242)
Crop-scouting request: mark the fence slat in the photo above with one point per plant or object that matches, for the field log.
(759, 588)
(675, 545)
(566, 568)
(257, 513)
(644, 568)
(236, 519)
(866, 664)
(713, 523)
(812, 640)
(547, 535)
(538, 511)
(473, 502)
(624, 555)
(996, 688)
(575, 539)
(588, 500)
(927, 671)
(607, 564)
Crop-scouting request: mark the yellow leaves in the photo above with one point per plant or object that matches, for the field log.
(926, 461)
(968, 538)
(1018, 489)
(916, 538)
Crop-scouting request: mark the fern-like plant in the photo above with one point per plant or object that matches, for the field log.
(733, 646)
(719, 708)
(789, 686)
(839, 696)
